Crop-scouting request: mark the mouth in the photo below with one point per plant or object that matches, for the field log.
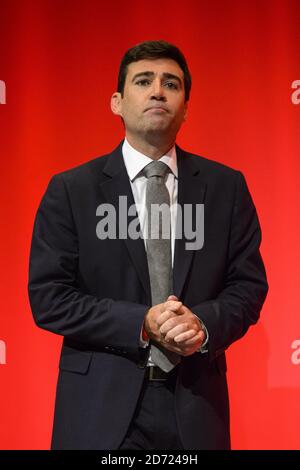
(157, 108)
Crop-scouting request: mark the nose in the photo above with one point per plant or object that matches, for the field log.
(157, 90)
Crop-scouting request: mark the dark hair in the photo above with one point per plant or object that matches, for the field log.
(154, 50)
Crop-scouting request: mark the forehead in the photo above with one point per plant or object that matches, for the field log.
(157, 66)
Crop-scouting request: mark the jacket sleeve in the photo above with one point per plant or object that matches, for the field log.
(57, 303)
(228, 317)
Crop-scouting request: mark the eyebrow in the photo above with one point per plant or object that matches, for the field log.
(151, 74)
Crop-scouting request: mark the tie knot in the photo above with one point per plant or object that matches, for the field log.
(156, 169)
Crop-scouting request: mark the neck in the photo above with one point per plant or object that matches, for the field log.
(154, 149)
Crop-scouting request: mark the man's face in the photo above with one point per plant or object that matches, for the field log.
(153, 100)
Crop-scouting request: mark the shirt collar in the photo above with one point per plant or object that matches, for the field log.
(136, 161)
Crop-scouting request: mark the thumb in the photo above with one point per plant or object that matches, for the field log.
(172, 297)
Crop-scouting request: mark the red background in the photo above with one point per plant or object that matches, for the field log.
(59, 60)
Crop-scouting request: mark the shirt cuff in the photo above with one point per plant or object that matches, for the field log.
(143, 341)
(204, 347)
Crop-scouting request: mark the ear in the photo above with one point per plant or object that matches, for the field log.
(116, 103)
(185, 113)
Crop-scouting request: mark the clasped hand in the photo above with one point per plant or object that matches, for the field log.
(175, 327)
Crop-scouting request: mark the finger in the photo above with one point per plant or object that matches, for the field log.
(197, 338)
(163, 317)
(174, 305)
(186, 310)
(180, 350)
(173, 348)
(184, 336)
(172, 297)
(177, 330)
(169, 325)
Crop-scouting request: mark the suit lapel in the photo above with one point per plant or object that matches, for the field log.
(191, 190)
(116, 185)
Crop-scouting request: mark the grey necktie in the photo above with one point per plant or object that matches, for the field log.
(159, 253)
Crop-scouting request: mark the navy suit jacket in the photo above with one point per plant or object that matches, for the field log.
(95, 293)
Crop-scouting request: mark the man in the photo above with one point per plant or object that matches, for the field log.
(146, 319)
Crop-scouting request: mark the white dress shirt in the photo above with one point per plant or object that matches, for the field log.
(135, 162)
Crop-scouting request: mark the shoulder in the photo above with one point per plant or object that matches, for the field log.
(93, 170)
(209, 171)
(86, 170)
(206, 165)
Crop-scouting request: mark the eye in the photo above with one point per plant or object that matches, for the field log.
(142, 82)
(172, 85)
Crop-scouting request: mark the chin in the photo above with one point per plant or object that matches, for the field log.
(157, 126)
